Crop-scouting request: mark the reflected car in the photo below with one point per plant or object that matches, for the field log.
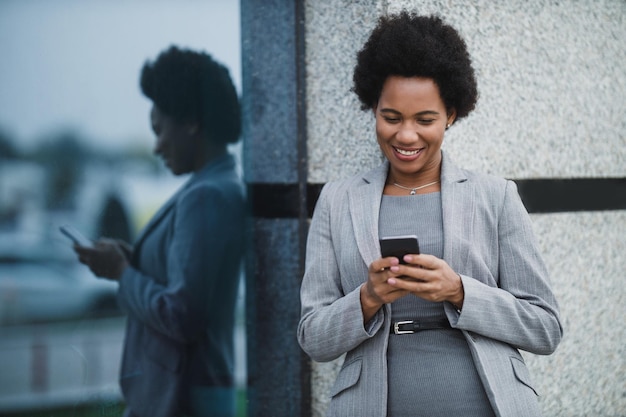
(41, 283)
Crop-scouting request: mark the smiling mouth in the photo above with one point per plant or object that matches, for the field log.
(406, 152)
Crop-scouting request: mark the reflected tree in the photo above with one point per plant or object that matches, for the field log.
(8, 150)
(63, 156)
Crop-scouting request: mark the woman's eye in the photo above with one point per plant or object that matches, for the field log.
(392, 120)
(426, 121)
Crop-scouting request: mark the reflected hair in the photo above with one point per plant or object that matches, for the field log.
(409, 45)
(191, 86)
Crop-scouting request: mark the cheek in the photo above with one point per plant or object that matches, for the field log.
(158, 141)
(382, 132)
(437, 136)
(384, 136)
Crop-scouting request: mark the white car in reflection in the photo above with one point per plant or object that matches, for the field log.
(44, 282)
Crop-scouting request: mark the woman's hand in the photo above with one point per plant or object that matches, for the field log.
(126, 247)
(377, 291)
(428, 277)
(107, 259)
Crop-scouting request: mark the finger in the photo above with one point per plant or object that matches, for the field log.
(423, 260)
(409, 272)
(83, 250)
(406, 284)
(383, 264)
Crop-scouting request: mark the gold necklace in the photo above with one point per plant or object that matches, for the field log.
(413, 190)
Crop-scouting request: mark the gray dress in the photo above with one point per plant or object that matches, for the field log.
(431, 373)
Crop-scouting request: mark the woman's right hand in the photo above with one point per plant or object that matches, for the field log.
(376, 291)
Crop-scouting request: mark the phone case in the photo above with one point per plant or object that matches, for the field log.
(76, 236)
(399, 246)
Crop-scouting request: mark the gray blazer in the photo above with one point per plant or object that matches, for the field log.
(180, 295)
(488, 240)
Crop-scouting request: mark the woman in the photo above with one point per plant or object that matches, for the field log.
(439, 335)
(178, 284)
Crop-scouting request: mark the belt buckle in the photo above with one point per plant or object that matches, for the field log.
(396, 327)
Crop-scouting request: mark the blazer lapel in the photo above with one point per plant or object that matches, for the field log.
(364, 203)
(158, 216)
(458, 208)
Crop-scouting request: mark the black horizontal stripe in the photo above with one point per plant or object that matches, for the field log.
(539, 196)
(573, 194)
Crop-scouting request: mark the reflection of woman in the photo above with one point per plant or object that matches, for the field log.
(440, 335)
(179, 284)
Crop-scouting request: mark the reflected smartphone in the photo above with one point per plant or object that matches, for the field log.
(399, 246)
(77, 237)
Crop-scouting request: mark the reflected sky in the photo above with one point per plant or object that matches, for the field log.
(74, 64)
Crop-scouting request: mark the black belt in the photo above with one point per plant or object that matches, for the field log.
(412, 326)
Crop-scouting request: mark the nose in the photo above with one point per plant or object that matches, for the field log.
(407, 133)
(158, 146)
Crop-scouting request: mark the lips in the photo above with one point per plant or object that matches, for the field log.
(407, 153)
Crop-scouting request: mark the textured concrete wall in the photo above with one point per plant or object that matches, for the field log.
(552, 82)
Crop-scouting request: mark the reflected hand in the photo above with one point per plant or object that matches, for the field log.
(430, 278)
(107, 259)
(126, 247)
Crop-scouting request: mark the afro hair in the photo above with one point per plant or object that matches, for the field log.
(409, 45)
(191, 86)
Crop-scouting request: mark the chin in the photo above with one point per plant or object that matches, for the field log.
(180, 171)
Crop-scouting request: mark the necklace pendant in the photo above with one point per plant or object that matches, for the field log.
(412, 192)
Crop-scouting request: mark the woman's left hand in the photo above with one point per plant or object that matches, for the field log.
(107, 259)
(430, 278)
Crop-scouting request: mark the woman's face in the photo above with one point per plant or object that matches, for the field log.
(175, 142)
(411, 119)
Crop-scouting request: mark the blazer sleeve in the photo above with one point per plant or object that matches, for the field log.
(331, 322)
(522, 310)
(194, 250)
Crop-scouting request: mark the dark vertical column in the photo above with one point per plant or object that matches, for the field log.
(274, 154)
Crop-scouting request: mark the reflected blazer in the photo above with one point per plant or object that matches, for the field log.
(179, 294)
(488, 240)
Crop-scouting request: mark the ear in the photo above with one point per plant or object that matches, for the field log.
(451, 117)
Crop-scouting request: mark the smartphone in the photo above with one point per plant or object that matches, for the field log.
(399, 246)
(77, 237)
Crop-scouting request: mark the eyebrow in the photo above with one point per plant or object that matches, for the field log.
(422, 113)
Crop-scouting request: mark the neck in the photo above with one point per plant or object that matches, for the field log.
(417, 179)
(208, 154)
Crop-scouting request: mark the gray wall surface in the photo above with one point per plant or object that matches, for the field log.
(552, 84)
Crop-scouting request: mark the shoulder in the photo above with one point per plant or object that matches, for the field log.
(490, 191)
(341, 186)
(365, 177)
(494, 193)
(223, 191)
(337, 191)
(488, 184)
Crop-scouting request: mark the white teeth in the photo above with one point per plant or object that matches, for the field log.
(407, 153)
